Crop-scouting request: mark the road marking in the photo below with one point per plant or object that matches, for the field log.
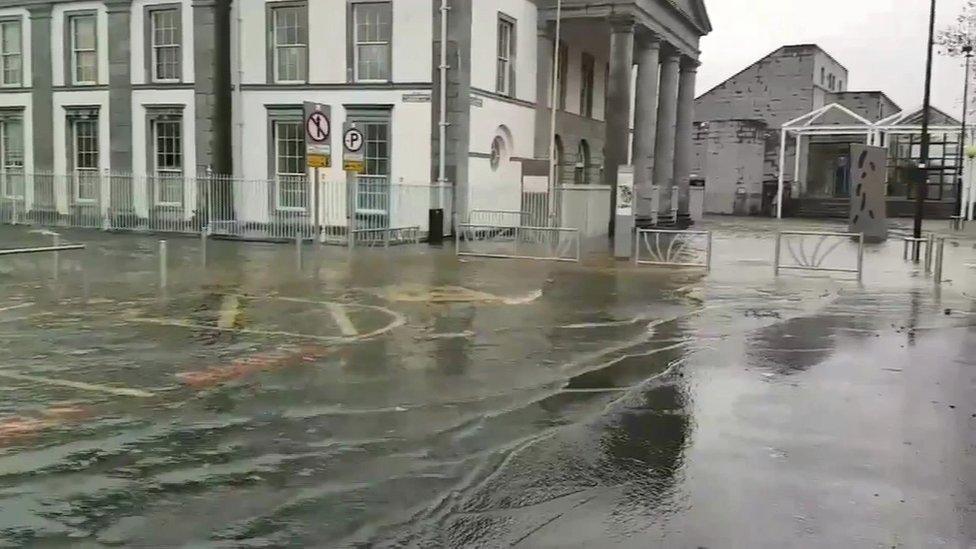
(338, 312)
(15, 307)
(118, 391)
(228, 312)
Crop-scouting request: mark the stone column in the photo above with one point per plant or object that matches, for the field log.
(545, 35)
(42, 98)
(667, 111)
(683, 132)
(645, 121)
(618, 103)
(119, 84)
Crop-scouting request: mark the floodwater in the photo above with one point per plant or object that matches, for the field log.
(406, 398)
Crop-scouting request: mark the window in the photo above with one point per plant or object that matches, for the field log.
(586, 86)
(167, 138)
(373, 193)
(84, 159)
(83, 52)
(289, 31)
(289, 164)
(12, 157)
(582, 163)
(563, 74)
(11, 59)
(505, 76)
(497, 151)
(372, 40)
(823, 76)
(840, 85)
(905, 152)
(164, 32)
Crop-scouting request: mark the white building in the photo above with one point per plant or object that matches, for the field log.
(172, 90)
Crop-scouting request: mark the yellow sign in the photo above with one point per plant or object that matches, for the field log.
(319, 161)
(353, 166)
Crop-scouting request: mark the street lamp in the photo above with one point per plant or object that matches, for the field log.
(922, 188)
(554, 101)
(968, 51)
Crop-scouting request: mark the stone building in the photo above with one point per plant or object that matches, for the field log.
(800, 93)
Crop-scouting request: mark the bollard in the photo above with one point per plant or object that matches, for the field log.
(203, 249)
(860, 258)
(162, 264)
(298, 252)
(708, 253)
(56, 258)
(779, 241)
(929, 242)
(939, 256)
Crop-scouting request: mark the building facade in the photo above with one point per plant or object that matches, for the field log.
(125, 105)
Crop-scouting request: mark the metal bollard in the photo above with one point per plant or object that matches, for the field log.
(939, 256)
(929, 242)
(860, 258)
(56, 258)
(779, 241)
(708, 253)
(298, 252)
(162, 264)
(203, 249)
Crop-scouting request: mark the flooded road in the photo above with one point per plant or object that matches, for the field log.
(404, 398)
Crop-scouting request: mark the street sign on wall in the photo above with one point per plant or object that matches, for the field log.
(318, 135)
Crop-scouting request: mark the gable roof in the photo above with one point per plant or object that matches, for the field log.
(833, 114)
(780, 50)
(913, 117)
(694, 11)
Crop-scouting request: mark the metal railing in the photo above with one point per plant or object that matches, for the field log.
(260, 209)
(543, 243)
(501, 218)
(814, 259)
(673, 248)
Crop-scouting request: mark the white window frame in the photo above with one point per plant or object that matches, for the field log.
(6, 166)
(4, 55)
(505, 56)
(73, 38)
(178, 46)
(162, 174)
(76, 151)
(356, 44)
(278, 174)
(276, 47)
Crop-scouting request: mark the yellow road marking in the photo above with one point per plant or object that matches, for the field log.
(338, 312)
(228, 312)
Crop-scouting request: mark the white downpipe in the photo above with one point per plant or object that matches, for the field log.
(971, 199)
(796, 162)
(553, 101)
(779, 187)
(442, 122)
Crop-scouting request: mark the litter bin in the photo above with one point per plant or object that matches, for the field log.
(435, 226)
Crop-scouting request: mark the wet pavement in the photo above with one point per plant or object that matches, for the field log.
(404, 398)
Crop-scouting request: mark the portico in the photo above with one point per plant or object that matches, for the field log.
(653, 58)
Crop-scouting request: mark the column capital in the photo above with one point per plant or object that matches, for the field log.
(647, 39)
(623, 23)
(689, 65)
(40, 11)
(115, 6)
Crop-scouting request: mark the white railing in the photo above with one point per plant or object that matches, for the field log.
(673, 248)
(810, 251)
(546, 243)
(369, 207)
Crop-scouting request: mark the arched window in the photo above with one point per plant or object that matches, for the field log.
(497, 152)
(582, 163)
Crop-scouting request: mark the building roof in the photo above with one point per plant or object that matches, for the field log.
(782, 49)
(913, 117)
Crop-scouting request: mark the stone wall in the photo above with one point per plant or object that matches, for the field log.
(729, 154)
(873, 105)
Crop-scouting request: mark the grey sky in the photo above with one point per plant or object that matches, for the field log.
(881, 42)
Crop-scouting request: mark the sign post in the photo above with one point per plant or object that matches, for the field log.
(318, 149)
(353, 162)
(623, 236)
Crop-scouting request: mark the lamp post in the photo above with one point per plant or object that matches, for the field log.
(968, 51)
(922, 189)
(554, 100)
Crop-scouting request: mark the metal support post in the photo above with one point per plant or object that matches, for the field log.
(56, 258)
(708, 253)
(203, 249)
(298, 252)
(939, 256)
(860, 258)
(929, 243)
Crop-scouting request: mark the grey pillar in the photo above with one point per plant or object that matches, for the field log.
(212, 84)
(645, 121)
(666, 120)
(120, 85)
(42, 98)
(618, 103)
(683, 132)
(543, 85)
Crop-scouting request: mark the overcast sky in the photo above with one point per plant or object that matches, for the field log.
(881, 42)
